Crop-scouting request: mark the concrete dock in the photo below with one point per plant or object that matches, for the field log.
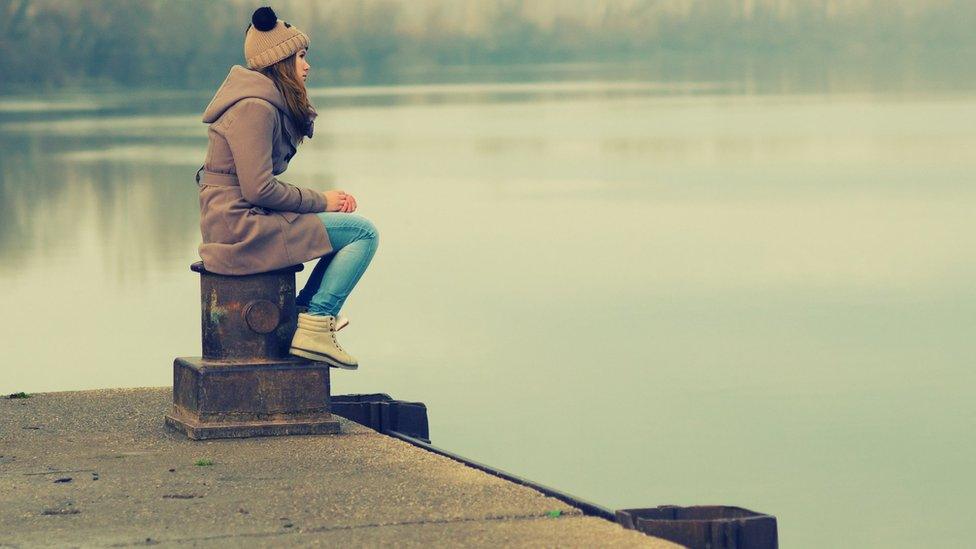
(97, 468)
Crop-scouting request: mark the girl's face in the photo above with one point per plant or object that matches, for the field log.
(301, 65)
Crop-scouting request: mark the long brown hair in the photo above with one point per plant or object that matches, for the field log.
(293, 90)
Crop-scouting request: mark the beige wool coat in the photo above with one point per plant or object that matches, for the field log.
(250, 220)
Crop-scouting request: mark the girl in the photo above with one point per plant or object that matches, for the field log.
(251, 221)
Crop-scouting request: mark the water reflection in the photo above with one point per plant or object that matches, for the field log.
(648, 147)
(138, 212)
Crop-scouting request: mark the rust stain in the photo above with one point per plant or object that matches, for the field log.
(217, 313)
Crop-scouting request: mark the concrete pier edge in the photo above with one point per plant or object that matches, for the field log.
(99, 468)
(588, 508)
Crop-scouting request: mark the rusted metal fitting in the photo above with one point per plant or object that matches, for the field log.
(706, 526)
(246, 384)
(247, 317)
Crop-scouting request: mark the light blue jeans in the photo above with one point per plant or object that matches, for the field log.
(354, 240)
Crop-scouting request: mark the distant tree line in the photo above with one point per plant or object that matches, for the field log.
(178, 43)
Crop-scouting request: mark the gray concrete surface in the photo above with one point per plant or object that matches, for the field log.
(131, 482)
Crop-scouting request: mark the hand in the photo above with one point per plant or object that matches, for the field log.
(350, 205)
(335, 201)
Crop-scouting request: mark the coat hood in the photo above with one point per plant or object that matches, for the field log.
(242, 83)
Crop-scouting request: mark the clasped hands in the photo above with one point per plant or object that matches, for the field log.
(339, 201)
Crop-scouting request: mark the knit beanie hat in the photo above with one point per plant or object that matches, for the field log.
(269, 40)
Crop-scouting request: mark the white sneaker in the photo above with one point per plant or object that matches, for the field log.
(341, 321)
(315, 340)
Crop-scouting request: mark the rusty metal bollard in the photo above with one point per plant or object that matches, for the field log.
(706, 526)
(246, 384)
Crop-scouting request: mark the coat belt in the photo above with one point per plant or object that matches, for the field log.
(216, 179)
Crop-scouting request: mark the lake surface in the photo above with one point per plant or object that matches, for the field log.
(641, 291)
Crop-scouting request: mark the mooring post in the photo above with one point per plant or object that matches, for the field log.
(246, 384)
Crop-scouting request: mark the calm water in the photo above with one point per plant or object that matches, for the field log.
(641, 292)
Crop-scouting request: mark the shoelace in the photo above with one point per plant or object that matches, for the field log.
(333, 333)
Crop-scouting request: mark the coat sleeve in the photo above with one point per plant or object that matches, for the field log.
(249, 136)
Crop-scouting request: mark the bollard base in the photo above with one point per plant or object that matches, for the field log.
(196, 430)
(220, 399)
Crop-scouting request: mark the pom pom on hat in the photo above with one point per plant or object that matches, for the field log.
(264, 19)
